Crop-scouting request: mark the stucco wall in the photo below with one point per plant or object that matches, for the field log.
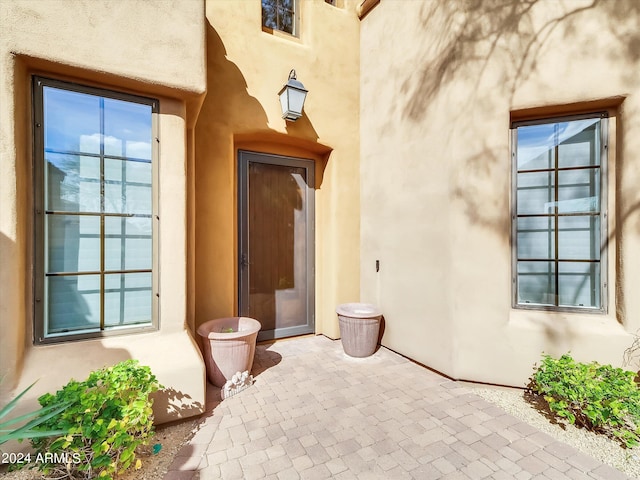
(246, 69)
(436, 174)
(155, 49)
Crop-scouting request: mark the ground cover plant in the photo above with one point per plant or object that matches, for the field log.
(108, 417)
(597, 397)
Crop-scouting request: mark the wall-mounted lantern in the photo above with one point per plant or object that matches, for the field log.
(292, 96)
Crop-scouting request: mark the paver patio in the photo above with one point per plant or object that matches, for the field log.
(315, 413)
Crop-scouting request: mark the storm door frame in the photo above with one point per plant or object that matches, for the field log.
(243, 254)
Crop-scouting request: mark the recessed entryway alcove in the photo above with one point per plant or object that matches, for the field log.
(276, 233)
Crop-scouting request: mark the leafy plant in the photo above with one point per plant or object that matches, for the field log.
(109, 416)
(600, 398)
(33, 419)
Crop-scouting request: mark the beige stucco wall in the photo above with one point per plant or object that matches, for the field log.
(246, 69)
(155, 49)
(435, 174)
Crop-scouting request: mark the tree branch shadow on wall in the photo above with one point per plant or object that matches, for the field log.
(477, 32)
(478, 177)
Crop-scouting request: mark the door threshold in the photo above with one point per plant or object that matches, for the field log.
(286, 339)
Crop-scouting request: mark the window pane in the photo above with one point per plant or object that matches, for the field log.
(566, 152)
(73, 243)
(128, 243)
(138, 172)
(579, 284)
(279, 15)
(113, 170)
(536, 283)
(536, 237)
(577, 142)
(579, 191)
(127, 187)
(535, 193)
(72, 183)
(536, 147)
(71, 121)
(581, 144)
(579, 238)
(285, 20)
(127, 129)
(269, 16)
(73, 303)
(127, 299)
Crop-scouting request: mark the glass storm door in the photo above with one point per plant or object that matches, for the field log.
(276, 243)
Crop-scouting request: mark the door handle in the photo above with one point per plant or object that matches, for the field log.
(244, 261)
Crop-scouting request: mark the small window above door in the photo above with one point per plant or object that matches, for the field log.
(281, 15)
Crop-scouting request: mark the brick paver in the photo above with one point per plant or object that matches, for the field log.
(315, 413)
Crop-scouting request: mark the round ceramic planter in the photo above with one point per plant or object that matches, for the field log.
(359, 328)
(229, 345)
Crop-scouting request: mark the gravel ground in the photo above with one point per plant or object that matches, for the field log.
(597, 446)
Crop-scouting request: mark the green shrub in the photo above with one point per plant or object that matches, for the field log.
(600, 398)
(109, 417)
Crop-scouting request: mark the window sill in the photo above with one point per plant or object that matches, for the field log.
(559, 323)
(280, 34)
(116, 332)
(546, 309)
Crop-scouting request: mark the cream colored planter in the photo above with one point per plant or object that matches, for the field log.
(359, 328)
(229, 345)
